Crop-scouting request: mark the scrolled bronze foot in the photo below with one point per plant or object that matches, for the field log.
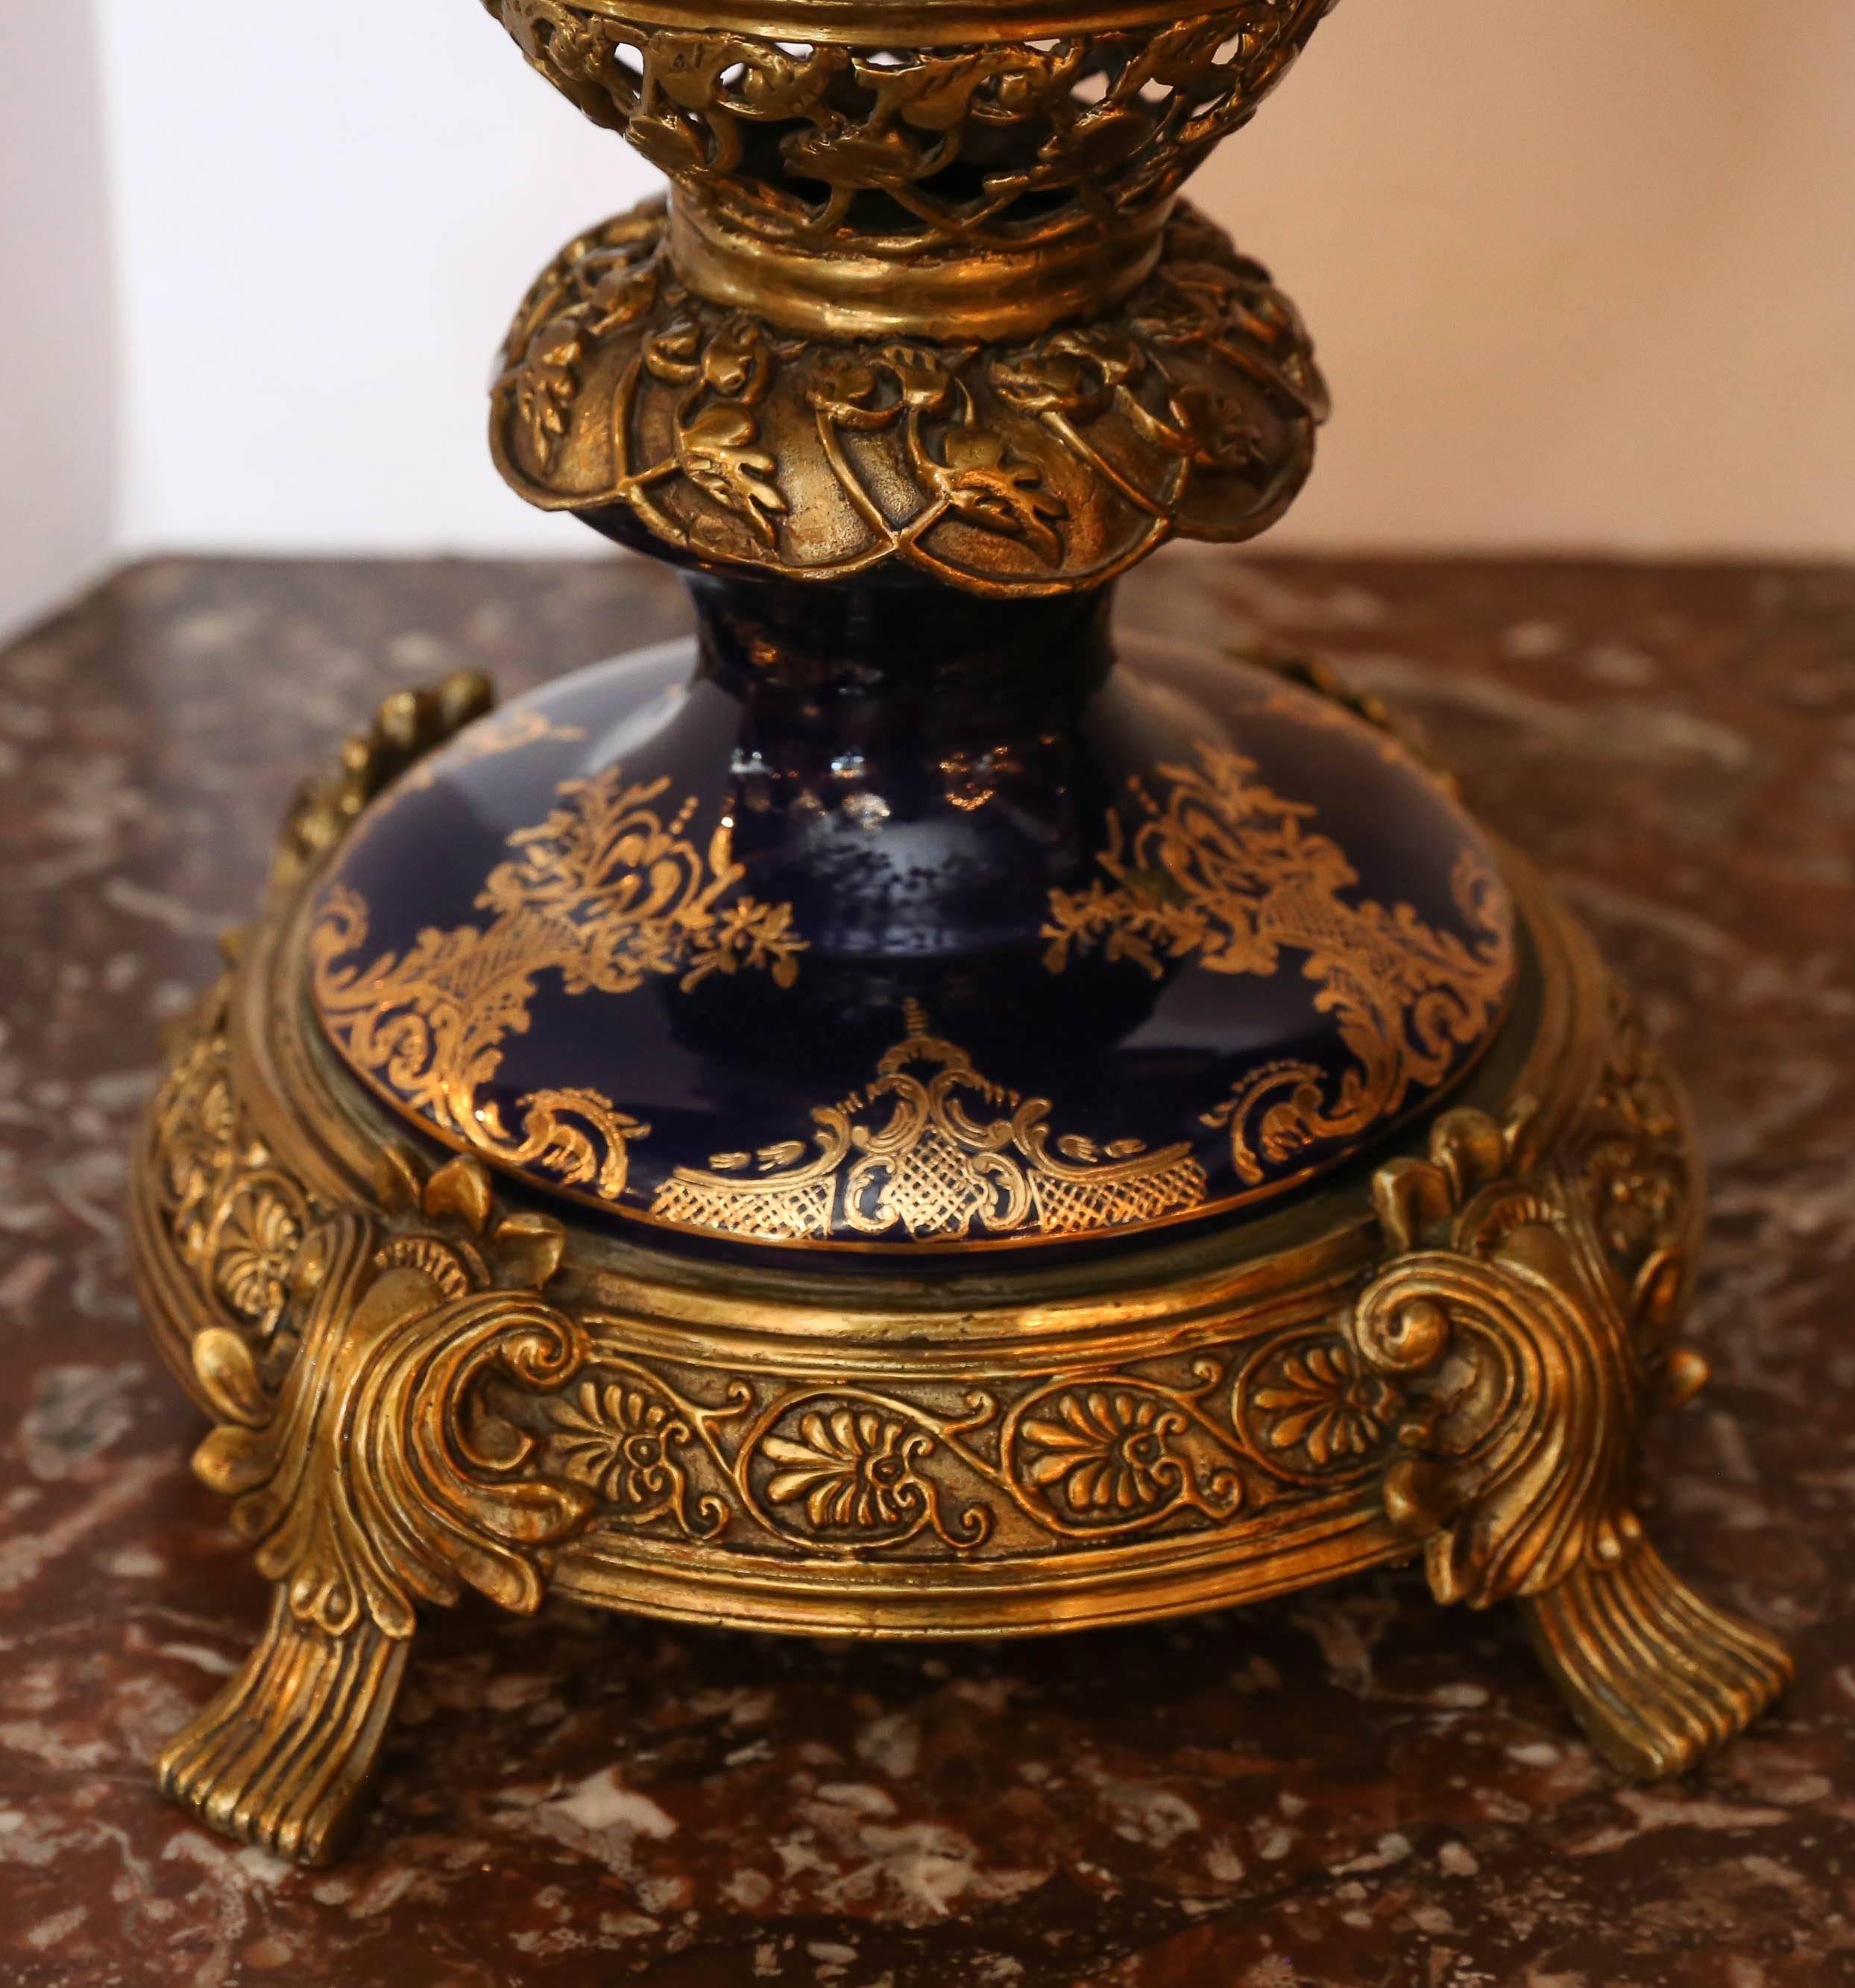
(1529, 1363)
(372, 1476)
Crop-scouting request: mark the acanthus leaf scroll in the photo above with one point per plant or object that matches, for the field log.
(1031, 466)
(374, 1467)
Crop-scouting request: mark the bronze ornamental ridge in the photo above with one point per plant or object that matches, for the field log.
(971, 245)
(971, 192)
(1018, 470)
(833, 292)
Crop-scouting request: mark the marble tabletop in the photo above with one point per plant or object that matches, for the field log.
(1349, 1788)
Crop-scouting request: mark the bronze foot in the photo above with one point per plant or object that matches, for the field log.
(1656, 1676)
(372, 1476)
(282, 1757)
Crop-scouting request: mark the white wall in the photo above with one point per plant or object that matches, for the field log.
(328, 215)
(1582, 270)
(58, 382)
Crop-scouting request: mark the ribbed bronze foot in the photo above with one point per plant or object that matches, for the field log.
(282, 1757)
(1656, 1676)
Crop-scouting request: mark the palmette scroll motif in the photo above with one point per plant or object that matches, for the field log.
(607, 892)
(1311, 1407)
(625, 1438)
(1070, 1457)
(1419, 1382)
(1083, 1456)
(1227, 874)
(1035, 465)
(237, 1218)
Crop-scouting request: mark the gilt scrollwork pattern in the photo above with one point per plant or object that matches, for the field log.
(1514, 1470)
(608, 892)
(1001, 145)
(398, 1328)
(1495, 1266)
(435, 1405)
(1035, 465)
(1219, 870)
(1527, 1358)
(1550, 1278)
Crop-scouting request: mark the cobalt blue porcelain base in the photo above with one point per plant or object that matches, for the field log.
(905, 921)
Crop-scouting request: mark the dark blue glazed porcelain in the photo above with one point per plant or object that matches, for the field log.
(893, 919)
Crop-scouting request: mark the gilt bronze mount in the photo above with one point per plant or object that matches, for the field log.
(902, 1115)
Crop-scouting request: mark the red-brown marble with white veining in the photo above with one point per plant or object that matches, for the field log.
(1349, 1788)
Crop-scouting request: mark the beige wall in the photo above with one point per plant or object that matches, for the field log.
(1582, 271)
